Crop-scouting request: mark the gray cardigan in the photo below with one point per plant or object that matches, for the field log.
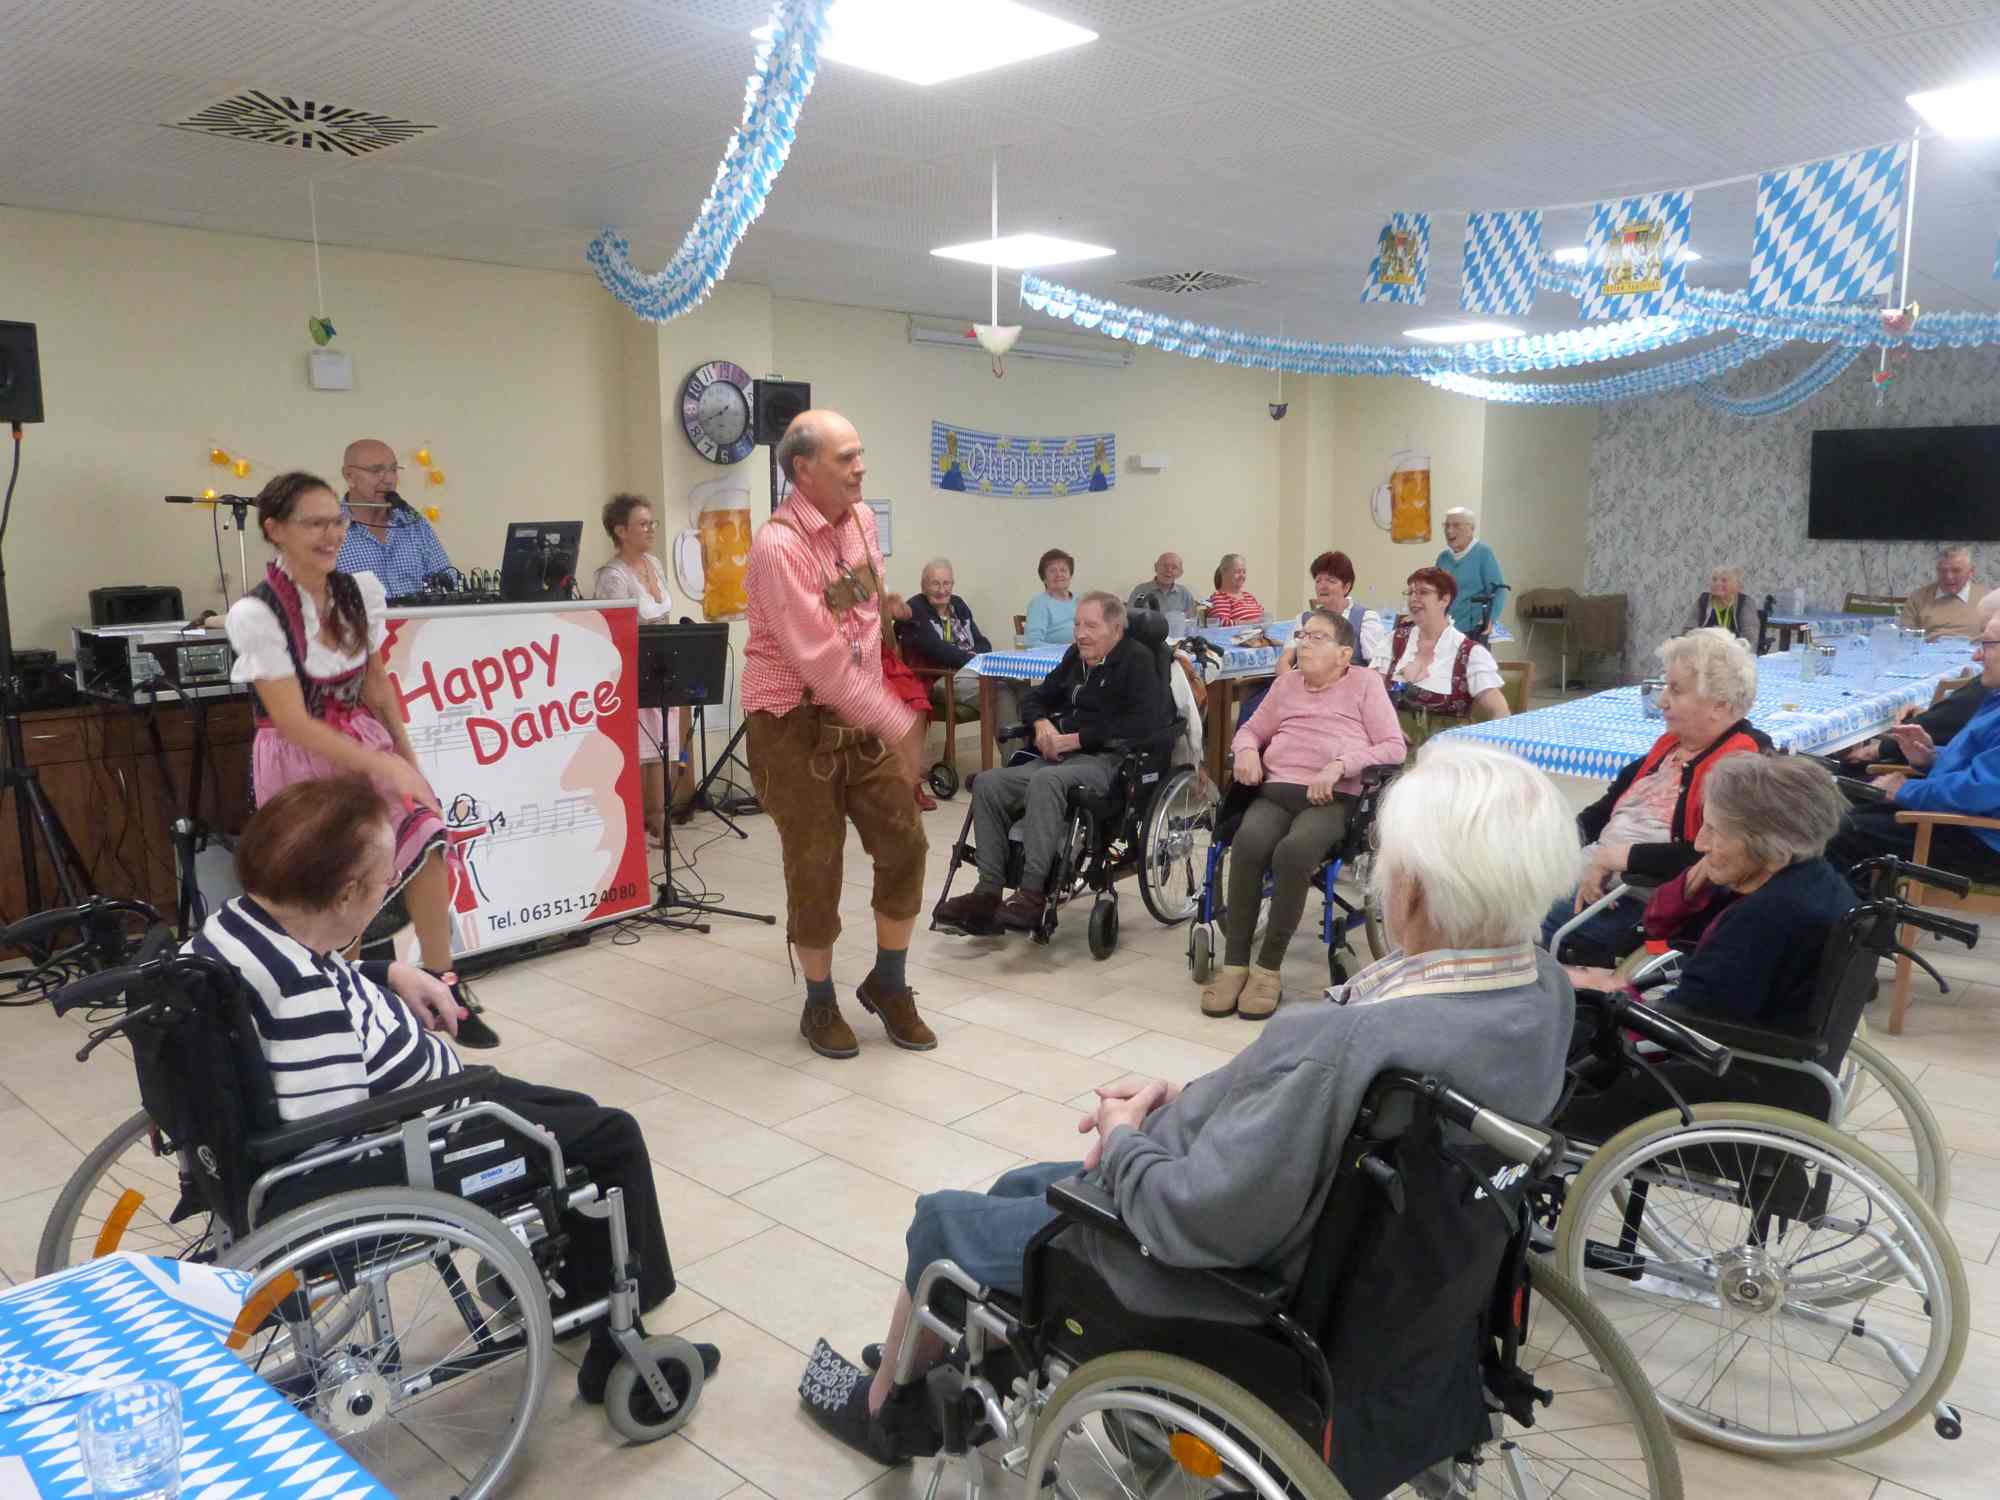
(1235, 1171)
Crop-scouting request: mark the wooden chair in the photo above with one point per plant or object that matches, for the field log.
(1873, 604)
(1982, 901)
(1949, 686)
(942, 682)
(1517, 684)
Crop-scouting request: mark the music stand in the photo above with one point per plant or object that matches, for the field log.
(684, 666)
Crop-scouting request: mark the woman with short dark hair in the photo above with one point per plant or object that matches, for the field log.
(1435, 670)
(314, 863)
(1052, 612)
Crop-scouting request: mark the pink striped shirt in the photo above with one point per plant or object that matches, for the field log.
(1234, 609)
(1299, 732)
(796, 643)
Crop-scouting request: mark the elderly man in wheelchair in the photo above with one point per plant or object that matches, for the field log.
(1786, 1286)
(1198, 1220)
(417, 1232)
(1104, 728)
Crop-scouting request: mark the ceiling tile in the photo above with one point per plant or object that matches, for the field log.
(557, 38)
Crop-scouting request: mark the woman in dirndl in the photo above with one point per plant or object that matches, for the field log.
(635, 573)
(309, 640)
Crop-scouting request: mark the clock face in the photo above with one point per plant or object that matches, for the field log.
(715, 412)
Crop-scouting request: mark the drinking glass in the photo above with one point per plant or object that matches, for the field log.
(131, 1441)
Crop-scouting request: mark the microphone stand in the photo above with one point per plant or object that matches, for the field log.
(239, 512)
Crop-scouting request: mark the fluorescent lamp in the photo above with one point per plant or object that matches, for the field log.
(1108, 358)
(1576, 255)
(929, 41)
(1024, 252)
(1461, 333)
(1967, 112)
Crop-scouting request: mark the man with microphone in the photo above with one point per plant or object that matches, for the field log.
(385, 536)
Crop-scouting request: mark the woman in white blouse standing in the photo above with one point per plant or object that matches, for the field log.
(1436, 672)
(635, 573)
(309, 641)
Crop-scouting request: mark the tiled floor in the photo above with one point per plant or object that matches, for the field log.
(787, 1179)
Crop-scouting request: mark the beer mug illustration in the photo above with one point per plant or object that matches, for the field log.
(1402, 505)
(712, 560)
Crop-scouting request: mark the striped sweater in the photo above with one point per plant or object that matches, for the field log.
(333, 1033)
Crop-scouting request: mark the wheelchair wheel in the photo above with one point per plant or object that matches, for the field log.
(629, 1406)
(1371, 906)
(1165, 1421)
(1201, 951)
(1104, 927)
(121, 1197)
(429, 1391)
(1787, 1292)
(1882, 1109)
(944, 782)
(1173, 848)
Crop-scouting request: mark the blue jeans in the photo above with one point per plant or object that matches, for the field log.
(986, 1233)
(1609, 932)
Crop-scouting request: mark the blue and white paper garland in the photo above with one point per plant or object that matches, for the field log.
(755, 155)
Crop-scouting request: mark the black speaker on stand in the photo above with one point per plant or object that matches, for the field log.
(21, 374)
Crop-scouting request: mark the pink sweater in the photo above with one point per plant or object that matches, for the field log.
(1298, 731)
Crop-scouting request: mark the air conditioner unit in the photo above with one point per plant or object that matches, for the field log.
(925, 337)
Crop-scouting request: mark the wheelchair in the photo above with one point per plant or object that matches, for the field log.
(1425, 1346)
(1339, 916)
(1155, 821)
(404, 1253)
(1788, 1291)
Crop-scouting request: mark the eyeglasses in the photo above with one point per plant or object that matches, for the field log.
(1415, 594)
(644, 525)
(1981, 647)
(1318, 637)
(319, 525)
(376, 471)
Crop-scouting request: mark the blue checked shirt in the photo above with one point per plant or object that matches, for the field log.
(411, 554)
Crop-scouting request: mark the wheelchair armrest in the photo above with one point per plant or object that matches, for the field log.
(289, 1142)
(1084, 1202)
(1742, 1039)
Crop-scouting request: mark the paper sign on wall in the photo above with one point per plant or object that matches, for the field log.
(991, 463)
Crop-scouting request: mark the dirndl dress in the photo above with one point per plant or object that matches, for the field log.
(274, 628)
(659, 734)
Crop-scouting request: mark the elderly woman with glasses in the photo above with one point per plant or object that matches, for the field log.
(1434, 668)
(636, 573)
(1303, 750)
(1648, 823)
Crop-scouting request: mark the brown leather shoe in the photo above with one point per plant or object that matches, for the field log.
(1022, 911)
(826, 1031)
(969, 912)
(898, 1012)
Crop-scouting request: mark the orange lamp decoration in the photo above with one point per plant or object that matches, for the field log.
(423, 457)
(240, 468)
(219, 457)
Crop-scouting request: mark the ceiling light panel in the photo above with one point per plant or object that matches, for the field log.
(925, 43)
(1024, 252)
(1461, 333)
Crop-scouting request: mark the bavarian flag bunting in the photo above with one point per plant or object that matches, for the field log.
(1635, 262)
(1402, 260)
(1827, 232)
(1501, 253)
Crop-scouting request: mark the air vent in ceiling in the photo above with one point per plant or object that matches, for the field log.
(1179, 282)
(304, 124)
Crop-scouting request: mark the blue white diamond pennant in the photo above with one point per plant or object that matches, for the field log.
(1827, 231)
(1501, 253)
(1402, 260)
(1635, 260)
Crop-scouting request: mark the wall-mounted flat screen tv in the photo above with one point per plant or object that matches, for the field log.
(1911, 484)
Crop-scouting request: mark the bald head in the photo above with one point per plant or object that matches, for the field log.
(1167, 569)
(369, 467)
(822, 456)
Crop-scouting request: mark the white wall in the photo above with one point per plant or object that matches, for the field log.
(158, 342)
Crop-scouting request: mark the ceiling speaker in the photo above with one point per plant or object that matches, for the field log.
(777, 402)
(20, 374)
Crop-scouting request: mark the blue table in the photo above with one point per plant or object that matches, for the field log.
(1822, 625)
(1600, 735)
(130, 1317)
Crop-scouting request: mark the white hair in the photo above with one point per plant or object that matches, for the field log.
(932, 566)
(1723, 666)
(1734, 575)
(1488, 838)
(1956, 549)
(1460, 510)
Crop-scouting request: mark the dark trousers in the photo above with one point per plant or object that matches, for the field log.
(608, 1144)
(1284, 832)
(1871, 830)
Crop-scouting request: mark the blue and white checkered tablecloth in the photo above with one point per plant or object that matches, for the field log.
(1033, 663)
(1831, 623)
(1600, 735)
(131, 1317)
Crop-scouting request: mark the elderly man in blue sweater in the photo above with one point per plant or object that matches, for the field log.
(1960, 777)
(1474, 567)
(1232, 1168)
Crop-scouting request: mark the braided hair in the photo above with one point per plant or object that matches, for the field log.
(346, 613)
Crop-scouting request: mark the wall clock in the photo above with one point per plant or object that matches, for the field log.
(715, 412)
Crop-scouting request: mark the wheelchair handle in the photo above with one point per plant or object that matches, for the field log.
(1944, 927)
(31, 932)
(1665, 1032)
(99, 988)
(1537, 1150)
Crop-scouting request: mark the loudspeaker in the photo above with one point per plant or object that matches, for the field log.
(774, 404)
(21, 374)
(136, 604)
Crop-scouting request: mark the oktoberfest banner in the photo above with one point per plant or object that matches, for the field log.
(1402, 260)
(525, 719)
(1827, 231)
(1635, 257)
(968, 461)
(1502, 251)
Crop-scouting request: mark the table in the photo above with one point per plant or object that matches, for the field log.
(1821, 626)
(1598, 736)
(131, 1317)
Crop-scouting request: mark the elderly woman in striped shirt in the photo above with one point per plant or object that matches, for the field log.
(314, 863)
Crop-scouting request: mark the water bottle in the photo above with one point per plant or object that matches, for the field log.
(1885, 646)
(1798, 603)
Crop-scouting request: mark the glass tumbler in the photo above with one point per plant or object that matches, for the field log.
(131, 1441)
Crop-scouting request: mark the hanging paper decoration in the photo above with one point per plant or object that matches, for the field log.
(1827, 232)
(1636, 256)
(1501, 253)
(321, 330)
(755, 155)
(1816, 377)
(1402, 260)
(1650, 381)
